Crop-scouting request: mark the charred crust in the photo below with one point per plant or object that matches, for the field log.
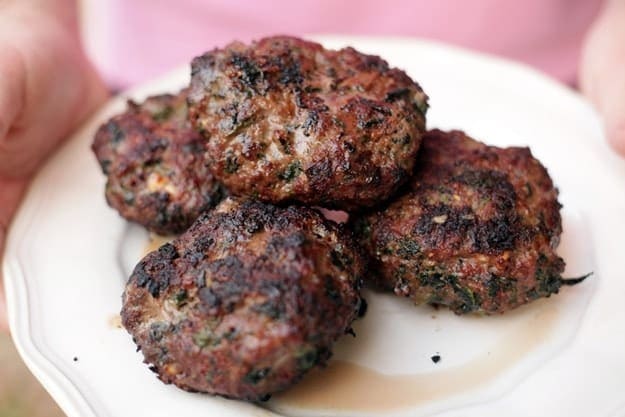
(155, 273)
(239, 272)
(340, 106)
(249, 72)
(159, 177)
(474, 229)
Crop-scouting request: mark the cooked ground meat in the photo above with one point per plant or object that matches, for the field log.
(475, 229)
(289, 121)
(155, 167)
(246, 301)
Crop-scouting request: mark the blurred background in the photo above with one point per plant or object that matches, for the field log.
(20, 393)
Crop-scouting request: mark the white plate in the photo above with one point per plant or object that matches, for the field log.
(68, 255)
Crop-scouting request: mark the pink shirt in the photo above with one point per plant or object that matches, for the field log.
(131, 41)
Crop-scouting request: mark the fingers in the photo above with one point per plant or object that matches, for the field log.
(609, 97)
(38, 132)
(605, 87)
(615, 131)
(12, 89)
(50, 88)
(47, 87)
(613, 111)
(602, 78)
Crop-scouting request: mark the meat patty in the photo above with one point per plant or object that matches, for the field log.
(246, 301)
(475, 229)
(291, 121)
(155, 167)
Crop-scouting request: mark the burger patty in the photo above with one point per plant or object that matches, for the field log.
(475, 229)
(289, 121)
(246, 301)
(155, 167)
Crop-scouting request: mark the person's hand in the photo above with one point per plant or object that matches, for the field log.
(47, 87)
(602, 70)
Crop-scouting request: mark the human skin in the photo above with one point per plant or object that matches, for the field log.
(27, 92)
(601, 75)
(47, 87)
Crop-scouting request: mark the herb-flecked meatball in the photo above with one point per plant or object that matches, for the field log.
(155, 167)
(246, 301)
(475, 229)
(288, 120)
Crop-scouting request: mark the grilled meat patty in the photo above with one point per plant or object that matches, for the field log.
(155, 167)
(288, 120)
(475, 229)
(246, 301)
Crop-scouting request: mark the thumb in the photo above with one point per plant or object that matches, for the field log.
(602, 78)
(612, 107)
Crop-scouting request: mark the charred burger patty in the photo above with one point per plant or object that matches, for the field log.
(475, 229)
(155, 167)
(246, 301)
(289, 121)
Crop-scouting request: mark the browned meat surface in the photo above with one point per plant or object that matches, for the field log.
(246, 301)
(288, 120)
(475, 229)
(155, 167)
